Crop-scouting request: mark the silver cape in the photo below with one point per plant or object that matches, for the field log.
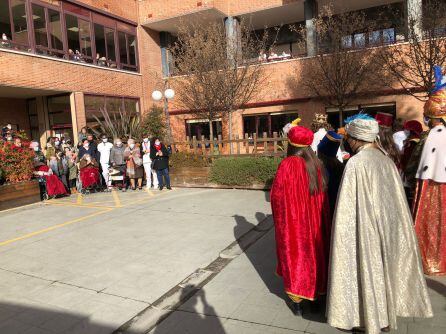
(375, 270)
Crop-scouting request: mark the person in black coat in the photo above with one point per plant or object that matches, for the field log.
(86, 148)
(160, 162)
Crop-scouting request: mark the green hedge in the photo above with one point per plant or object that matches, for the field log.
(244, 171)
(182, 159)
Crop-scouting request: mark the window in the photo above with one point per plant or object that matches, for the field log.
(375, 38)
(270, 123)
(101, 53)
(127, 51)
(55, 28)
(5, 21)
(123, 57)
(40, 32)
(110, 39)
(20, 28)
(109, 104)
(59, 113)
(336, 118)
(85, 40)
(33, 119)
(200, 127)
(72, 34)
(346, 42)
(389, 36)
(359, 40)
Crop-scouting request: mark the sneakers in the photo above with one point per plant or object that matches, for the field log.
(169, 188)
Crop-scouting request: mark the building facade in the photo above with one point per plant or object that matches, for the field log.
(62, 61)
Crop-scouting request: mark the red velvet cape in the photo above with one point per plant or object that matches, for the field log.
(302, 231)
(89, 177)
(54, 186)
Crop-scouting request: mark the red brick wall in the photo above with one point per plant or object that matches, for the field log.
(33, 72)
(124, 8)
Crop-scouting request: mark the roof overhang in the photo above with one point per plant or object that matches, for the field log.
(172, 24)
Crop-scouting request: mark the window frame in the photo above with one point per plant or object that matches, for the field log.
(50, 49)
(128, 64)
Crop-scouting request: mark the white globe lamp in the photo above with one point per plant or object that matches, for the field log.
(169, 93)
(157, 95)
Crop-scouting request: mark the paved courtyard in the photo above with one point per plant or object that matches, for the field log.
(115, 262)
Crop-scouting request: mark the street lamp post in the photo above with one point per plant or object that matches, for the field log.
(169, 94)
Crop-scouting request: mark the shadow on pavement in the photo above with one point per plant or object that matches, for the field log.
(267, 196)
(192, 322)
(436, 286)
(266, 269)
(17, 318)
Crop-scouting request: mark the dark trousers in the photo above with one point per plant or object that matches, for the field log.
(163, 172)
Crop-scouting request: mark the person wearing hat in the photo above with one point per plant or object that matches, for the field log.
(301, 217)
(375, 270)
(385, 122)
(326, 152)
(430, 198)
(104, 149)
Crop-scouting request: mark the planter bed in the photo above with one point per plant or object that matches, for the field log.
(18, 194)
(198, 177)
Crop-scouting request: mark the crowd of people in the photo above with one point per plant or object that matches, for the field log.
(97, 164)
(360, 216)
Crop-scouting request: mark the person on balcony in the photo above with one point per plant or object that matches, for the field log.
(302, 223)
(160, 157)
(375, 269)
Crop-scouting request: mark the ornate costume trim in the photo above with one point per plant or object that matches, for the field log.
(297, 145)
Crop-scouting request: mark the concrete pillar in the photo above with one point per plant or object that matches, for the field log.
(78, 117)
(310, 12)
(414, 16)
(165, 39)
(43, 120)
(232, 28)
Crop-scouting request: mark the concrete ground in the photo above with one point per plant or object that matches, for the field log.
(96, 263)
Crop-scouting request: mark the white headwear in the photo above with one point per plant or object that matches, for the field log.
(363, 129)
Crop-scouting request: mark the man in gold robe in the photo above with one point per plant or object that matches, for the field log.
(375, 270)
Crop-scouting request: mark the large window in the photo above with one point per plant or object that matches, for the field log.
(96, 106)
(199, 128)
(336, 118)
(59, 114)
(20, 27)
(269, 123)
(67, 31)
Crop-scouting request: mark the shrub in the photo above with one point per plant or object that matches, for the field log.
(183, 159)
(16, 163)
(244, 171)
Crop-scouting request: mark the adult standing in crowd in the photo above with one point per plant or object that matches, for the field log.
(375, 268)
(93, 145)
(82, 135)
(411, 157)
(160, 157)
(302, 224)
(430, 199)
(151, 177)
(104, 150)
(135, 170)
(86, 148)
(400, 136)
(326, 152)
(117, 160)
(50, 149)
(385, 122)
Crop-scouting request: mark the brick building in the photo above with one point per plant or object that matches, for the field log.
(62, 60)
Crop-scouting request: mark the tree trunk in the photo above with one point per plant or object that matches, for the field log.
(230, 132)
(211, 136)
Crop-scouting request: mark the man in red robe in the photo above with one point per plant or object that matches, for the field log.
(301, 217)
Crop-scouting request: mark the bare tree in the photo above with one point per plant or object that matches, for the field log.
(217, 75)
(411, 65)
(342, 68)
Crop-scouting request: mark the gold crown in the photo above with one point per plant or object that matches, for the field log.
(320, 118)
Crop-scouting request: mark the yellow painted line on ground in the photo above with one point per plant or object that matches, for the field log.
(88, 206)
(79, 199)
(48, 229)
(116, 198)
